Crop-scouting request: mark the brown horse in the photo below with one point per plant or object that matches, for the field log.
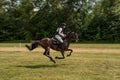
(47, 43)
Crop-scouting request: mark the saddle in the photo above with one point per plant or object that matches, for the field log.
(55, 41)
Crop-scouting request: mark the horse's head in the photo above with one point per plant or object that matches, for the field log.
(73, 36)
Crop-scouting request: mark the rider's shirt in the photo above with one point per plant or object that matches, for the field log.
(60, 31)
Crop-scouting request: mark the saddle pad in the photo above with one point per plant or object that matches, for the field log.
(55, 41)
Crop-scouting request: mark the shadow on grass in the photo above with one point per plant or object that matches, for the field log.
(38, 66)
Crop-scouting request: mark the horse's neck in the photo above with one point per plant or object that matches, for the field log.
(68, 41)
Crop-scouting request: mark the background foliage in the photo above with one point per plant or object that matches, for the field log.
(93, 20)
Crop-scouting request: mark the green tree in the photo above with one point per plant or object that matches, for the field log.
(94, 20)
(102, 25)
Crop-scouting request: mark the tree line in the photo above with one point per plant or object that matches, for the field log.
(93, 20)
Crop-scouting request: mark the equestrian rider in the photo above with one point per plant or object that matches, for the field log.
(59, 33)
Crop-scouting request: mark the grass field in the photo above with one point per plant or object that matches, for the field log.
(88, 62)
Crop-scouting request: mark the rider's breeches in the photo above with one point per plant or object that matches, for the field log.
(59, 38)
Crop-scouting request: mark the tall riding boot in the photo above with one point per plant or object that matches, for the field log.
(60, 46)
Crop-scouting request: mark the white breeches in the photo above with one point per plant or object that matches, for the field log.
(59, 38)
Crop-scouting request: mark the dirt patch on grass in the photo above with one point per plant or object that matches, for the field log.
(88, 50)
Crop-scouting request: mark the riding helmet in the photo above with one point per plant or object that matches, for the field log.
(63, 24)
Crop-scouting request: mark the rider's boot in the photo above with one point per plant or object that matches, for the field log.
(60, 46)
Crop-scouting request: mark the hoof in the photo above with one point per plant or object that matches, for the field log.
(59, 57)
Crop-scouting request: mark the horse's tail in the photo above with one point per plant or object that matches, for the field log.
(34, 45)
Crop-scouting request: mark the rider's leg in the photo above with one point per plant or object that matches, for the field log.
(60, 46)
(61, 42)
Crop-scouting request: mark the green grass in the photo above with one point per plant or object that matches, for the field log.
(12, 44)
(80, 66)
(82, 45)
(98, 46)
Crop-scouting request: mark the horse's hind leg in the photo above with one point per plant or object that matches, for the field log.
(28, 47)
(33, 45)
(47, 53)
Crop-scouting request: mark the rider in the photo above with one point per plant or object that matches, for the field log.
(60, 35)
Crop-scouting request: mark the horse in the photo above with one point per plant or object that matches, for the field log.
(47, 43)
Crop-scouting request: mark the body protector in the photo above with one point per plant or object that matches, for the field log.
(59, 34)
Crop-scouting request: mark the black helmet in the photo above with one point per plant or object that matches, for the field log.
(63, 24)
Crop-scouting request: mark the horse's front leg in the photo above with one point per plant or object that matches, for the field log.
(70, 52)
(63, 56)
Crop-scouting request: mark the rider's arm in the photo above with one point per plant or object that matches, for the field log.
(60, 32)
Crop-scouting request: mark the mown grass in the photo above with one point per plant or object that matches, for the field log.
(80, 45)
(98, 46)
(20, 65)
(12, 44)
